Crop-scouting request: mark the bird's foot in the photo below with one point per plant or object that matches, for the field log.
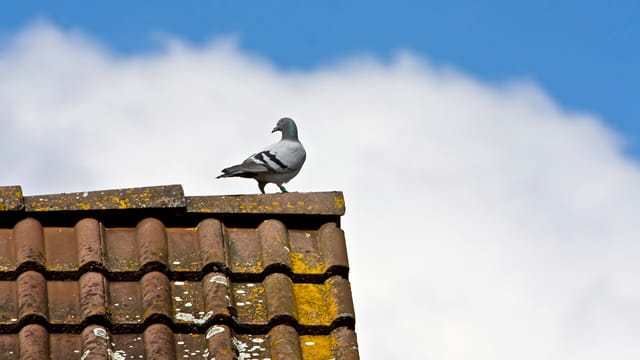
(282, 188)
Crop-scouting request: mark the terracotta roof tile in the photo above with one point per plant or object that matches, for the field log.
(313, 308)
(128, 252)
(290, 203)
(137, 198)
(158, 341)
(149, 273)
(11, 198)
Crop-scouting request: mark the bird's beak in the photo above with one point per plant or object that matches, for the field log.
(275, 129)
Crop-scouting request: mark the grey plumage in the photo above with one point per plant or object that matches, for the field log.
(277, 163)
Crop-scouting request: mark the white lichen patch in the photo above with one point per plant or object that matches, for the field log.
(181, 316)
(242, 348)
(214, 330)
(220, 279)
(101, 333)
(117, 355)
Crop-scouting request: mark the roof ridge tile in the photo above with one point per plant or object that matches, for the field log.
(11, 198)
(151, 197)
(309, 203)
(172, 196)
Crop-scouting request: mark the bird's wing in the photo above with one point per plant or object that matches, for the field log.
(281, 157)
(248, 167)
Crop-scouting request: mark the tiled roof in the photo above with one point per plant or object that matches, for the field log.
(150, 273)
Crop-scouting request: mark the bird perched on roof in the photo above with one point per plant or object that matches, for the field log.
(277, 163)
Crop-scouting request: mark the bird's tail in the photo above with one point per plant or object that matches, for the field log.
(247, 170)
(231, 174)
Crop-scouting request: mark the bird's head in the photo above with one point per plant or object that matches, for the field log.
(288, 128)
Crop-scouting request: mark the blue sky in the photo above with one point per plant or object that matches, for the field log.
(585, 54)
(494, 200)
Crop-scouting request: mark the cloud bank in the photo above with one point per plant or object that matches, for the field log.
(483, 221)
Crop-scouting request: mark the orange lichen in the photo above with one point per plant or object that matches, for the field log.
(248, 299)
(315, 347)
(313, 305)
(310, 263)
(339, 202)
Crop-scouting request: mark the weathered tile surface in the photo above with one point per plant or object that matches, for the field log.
(151, 274)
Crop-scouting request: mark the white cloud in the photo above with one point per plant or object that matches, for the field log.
(484, 221)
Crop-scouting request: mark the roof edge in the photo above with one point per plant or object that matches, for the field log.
(172, 197)
(311, 203)
(11, 198)
(153, 197)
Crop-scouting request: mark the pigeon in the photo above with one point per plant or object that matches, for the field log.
(277, 163)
